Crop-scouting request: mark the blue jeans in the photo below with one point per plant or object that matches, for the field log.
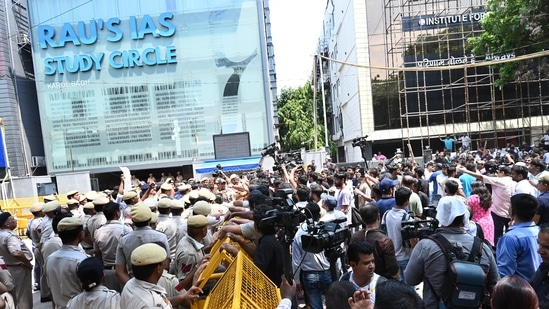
(315, 283)
(402, 265)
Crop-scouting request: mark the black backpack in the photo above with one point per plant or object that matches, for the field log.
(464, 281)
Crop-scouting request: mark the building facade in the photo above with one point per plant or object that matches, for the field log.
(24, 151)
(406, 69)
(148, 85)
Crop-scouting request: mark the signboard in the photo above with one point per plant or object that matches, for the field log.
(151, 83)
(438, 21)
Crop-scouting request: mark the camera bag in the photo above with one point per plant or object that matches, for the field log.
(464, 280)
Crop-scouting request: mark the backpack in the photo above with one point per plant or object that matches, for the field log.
(464, 280)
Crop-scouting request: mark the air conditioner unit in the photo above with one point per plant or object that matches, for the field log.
(23, 39)
(38, 161)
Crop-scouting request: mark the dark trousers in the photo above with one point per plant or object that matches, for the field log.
(501, 224)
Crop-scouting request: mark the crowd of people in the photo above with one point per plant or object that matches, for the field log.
(145, 246)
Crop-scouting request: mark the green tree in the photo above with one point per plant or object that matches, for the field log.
(296, 116)
(519, 26)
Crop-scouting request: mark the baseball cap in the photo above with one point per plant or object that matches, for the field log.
(148, 254)
(387, 184)
(330, 201)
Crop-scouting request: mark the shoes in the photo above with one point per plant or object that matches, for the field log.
(45, 299)
(35, 287)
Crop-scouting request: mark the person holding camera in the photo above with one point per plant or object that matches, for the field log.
(428, 263)
(311, 270)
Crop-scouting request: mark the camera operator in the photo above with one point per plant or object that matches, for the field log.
(311, 270)
(393, 219)
(330, 204)
(302, 195)
(428, 263)
(316, 196)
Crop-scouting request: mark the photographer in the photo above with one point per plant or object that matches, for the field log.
(311, 270)
(428, 264)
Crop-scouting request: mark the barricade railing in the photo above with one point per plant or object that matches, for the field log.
(242, 285)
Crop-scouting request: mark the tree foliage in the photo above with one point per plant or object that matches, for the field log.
(296, 116)
(519, 26)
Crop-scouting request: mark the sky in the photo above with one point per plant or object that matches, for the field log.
(295, 27)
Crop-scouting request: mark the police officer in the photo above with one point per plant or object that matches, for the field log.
(148, 262)
(143, 233)
(106, 242)
(60, 267)
(95, 295)
(33, 233)
(97, 220)
(18, 259)
(190, 250)
(166, 225)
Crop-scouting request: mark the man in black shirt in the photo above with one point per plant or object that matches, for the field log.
(269, 255)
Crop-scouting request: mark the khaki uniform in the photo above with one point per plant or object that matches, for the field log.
(60, 271)
(140, 236)
(167, 226)
(51, 246)
(87, 246)
(188, 254)
(34, 230)
(21, 275)
(95, 222)
(77, 214)
(98, 297)
(107, 238)
(46, 230)
(139, 294)
(169, 282)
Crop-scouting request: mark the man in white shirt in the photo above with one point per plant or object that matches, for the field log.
(361, 258)
(519, 173)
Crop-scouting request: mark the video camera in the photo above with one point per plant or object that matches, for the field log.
(284, 214)
(413, 228)
(289, 159)
(217, 173)
(359, 141)
(325, 236)
(269, 150)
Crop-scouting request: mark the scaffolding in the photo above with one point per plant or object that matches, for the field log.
(423, 33)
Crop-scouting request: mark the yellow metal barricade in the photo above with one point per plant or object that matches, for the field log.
(19, 207)
(242, 285)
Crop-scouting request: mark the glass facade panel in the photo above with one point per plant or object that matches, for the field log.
(147, 83)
